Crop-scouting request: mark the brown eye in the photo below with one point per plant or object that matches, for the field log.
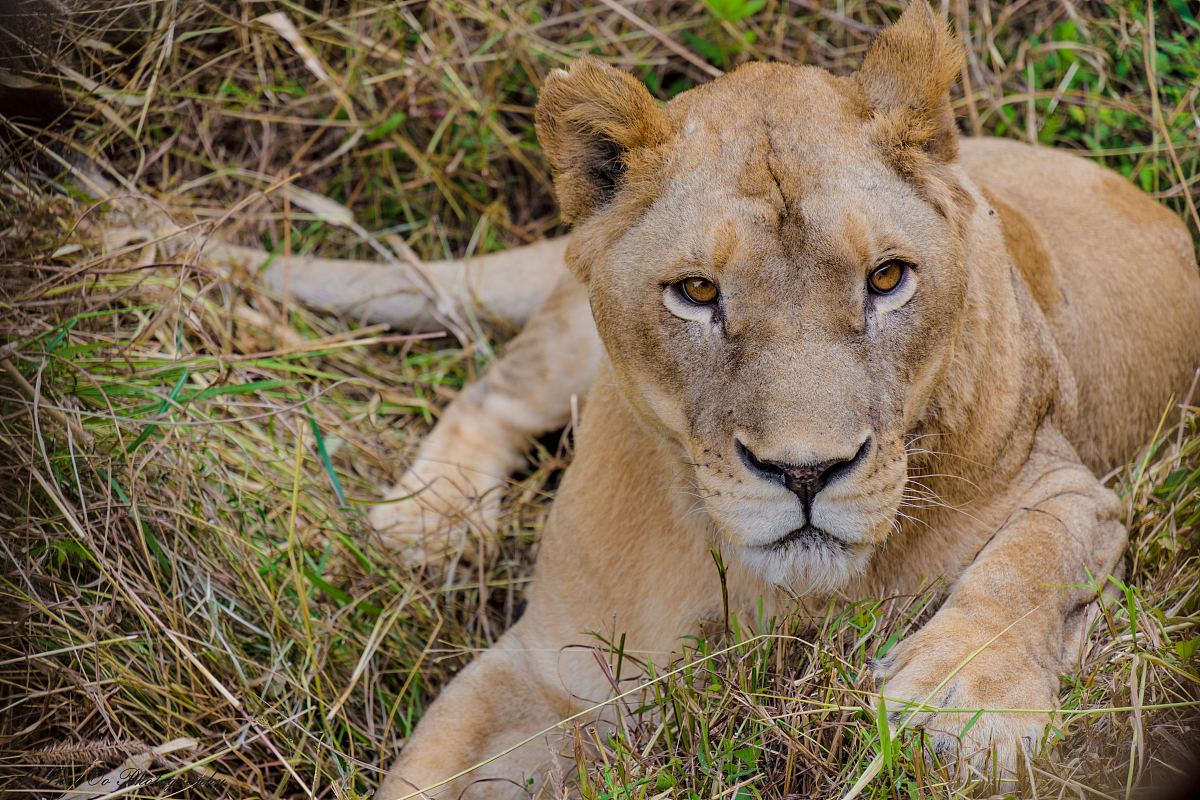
(885, 278)
(700, 291)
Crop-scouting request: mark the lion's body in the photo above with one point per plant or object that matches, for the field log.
(1115, 276)
(1108, 270)
(1054, 319)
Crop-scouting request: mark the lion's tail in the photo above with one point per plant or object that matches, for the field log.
(408, 294)
(402, 291)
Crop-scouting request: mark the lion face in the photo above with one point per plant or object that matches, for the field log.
(775, 268)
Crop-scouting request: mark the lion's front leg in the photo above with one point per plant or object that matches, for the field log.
(480, 738)
(616, 566)
(1013, 620)
(458, 474)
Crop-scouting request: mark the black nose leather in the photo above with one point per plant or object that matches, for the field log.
(803, 480)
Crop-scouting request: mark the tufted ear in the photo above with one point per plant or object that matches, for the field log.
(590, 122)
(907, 75)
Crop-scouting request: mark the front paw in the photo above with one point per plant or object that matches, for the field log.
(427, 514)
(981, 706)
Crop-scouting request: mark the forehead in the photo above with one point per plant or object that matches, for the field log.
(803, 117)
(771, 143)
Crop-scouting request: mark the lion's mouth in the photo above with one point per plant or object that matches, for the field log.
(808, 537)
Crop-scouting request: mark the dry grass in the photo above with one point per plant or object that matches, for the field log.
(184, 457)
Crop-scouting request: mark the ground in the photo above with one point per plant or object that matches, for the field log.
(187, 581)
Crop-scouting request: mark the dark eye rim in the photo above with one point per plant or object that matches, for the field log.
(905, 267)
(678, 287)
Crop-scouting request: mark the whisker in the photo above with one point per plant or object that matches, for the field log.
(919, 437)
(912, 478)
(912, 518)
(959, 456)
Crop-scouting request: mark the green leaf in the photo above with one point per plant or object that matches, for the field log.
(1185, 13)
(326, 460)
(885, 732)
(1187, 648)
(971, 723)
(747, 755)
(711, 52)
(734, 10)
(341, 597)
(163, 406)
(1170, 483)
(156, 548)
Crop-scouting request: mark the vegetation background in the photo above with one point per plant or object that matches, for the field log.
(187, 582)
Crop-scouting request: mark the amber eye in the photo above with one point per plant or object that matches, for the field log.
(700, 291)
(886, 277)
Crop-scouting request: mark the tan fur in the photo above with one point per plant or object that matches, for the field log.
(1052, 314)
(507, 287)
(456, 479)
(584, 120)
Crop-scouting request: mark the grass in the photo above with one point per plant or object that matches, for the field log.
(187, 581)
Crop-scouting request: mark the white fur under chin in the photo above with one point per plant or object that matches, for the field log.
(818, 568)
(751, 528)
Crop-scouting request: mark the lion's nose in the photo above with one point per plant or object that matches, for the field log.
(804, 480)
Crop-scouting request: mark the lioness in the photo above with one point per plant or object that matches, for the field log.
(848, 350)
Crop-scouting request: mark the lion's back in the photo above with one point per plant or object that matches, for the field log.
(1116, 276)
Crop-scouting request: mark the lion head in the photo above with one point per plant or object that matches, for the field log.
(775, 263)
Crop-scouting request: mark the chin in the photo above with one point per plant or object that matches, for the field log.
(807, 561)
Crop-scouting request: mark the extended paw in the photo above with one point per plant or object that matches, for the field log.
(426, 516)
(981, 706)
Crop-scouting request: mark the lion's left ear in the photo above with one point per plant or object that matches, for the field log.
(907, 75)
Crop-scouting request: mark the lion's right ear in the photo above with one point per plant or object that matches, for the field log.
(589, 121)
